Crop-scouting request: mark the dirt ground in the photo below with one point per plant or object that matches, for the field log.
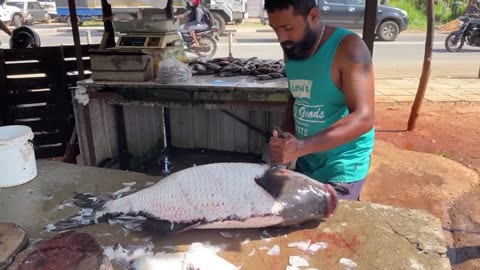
(452, 131)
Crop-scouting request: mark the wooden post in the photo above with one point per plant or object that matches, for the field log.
(76, 38)
(369, 22)
(108, 39)
(169, 9)
(427, 62)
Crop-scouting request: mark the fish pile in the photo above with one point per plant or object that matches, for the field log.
(230, 67)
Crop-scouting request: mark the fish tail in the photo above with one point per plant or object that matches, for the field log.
(89, 205)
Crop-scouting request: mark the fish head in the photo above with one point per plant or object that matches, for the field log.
(302, 198)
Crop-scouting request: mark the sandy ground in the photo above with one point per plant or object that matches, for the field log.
(452, 131)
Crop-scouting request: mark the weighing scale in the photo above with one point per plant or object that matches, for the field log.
(148, 40)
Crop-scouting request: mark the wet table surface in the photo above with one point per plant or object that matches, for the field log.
(370, 236)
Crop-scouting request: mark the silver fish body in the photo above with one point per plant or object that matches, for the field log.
(225, 195)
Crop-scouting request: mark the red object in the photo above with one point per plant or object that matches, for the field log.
(195, 3)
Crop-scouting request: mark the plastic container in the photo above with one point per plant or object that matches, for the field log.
(17, 156)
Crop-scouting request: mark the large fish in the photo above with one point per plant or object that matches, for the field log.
(214, 196)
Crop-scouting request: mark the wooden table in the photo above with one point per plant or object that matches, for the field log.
(158, 106)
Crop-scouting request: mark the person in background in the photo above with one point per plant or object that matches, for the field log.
(195, 21)
(329, 125)
(5, 29)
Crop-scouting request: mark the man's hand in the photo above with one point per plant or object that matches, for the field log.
(284, 150)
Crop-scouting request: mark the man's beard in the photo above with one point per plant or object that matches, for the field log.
(301, 50)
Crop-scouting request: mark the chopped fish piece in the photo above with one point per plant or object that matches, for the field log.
(298, 261)
(274, 251)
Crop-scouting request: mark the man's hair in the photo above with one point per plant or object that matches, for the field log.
(300, 7)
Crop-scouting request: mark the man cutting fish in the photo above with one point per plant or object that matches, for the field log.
(329, 124)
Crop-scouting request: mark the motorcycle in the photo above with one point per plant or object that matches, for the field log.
(207, 39)
(468, 32)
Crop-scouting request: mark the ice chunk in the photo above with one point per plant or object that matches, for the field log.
(317, 246)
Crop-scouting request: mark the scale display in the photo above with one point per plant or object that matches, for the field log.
(133, 41)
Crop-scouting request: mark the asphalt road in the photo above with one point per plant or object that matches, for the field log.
(402, 58)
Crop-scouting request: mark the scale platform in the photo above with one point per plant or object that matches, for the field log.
(147, 40)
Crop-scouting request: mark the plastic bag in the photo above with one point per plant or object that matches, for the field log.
(173, 71)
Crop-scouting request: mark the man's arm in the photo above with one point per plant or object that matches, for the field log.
(358, 86)
(5, 28)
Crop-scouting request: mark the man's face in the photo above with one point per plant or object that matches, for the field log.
(295, 32)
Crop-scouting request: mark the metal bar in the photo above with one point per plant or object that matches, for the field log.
(369, 23)
(427, 62)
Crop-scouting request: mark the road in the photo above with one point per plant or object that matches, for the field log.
(402, 58)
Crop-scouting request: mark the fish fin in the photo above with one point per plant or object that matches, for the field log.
(88, 200)
(272, 181)
(89, 204)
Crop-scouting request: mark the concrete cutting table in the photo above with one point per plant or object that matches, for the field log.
(366, 235)
(200, 92)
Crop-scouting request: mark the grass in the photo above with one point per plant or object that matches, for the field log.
(92, 23)
(418, 17)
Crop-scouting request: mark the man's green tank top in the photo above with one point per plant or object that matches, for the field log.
(318, 105)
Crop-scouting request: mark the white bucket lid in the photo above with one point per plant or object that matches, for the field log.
(14, 135)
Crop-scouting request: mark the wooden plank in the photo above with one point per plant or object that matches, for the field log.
(47, 138)
(104, 131)
(29, 97)
(50, 152)
(42, 125)
(69, 51)
(44, 111)
(71, 66)
(200, 128)
(214, 129)
(3, 91)
(227, 131)
(28, 54)
(25, 68)
(241, 132)
(25, 84)
(144, 129)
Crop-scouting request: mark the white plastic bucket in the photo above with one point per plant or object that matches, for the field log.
(17, 156)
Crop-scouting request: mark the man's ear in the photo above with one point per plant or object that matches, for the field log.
(313, 16)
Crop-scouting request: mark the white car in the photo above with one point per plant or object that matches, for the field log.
(50, 6)
(10, 15)
(32, 11)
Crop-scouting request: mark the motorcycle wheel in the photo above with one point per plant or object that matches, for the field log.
(207, 41)
(452, 46)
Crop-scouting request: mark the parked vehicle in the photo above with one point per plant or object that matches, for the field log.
(32, 11)
(207, 40)
(50, 6)
(11, 15)
(468, 32)
(224, 12)
(350, 14)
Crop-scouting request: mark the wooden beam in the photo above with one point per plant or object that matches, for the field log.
(169, 9)
(108, 39)
(369, 23)
(76, 38)
(427, 63)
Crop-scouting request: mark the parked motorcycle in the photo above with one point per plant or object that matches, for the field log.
(207, 40)
(468, 32)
